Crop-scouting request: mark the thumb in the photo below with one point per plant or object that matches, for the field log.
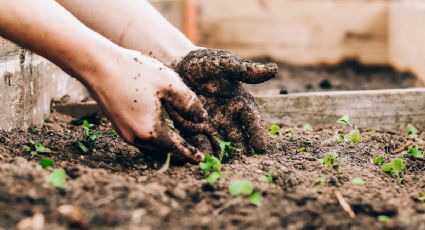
(244, 70)
(254, 73)
(185, 101)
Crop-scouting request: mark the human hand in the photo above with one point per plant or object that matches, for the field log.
(217, 76)
(132, 90)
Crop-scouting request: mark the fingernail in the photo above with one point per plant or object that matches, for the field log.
(199, 157)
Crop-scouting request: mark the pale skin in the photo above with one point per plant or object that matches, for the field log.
(128, 85)
(122, 51)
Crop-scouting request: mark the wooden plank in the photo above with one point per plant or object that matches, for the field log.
(377, 109)
(407, 36)
(298, 32)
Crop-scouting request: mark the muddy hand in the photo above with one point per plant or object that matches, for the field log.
(132, 92)
(217, 77)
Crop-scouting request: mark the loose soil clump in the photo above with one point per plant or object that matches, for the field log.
(117, 187)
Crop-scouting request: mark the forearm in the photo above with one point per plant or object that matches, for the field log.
(132, 24)
(49, 30)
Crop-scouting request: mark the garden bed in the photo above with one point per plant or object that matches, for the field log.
(115, 186)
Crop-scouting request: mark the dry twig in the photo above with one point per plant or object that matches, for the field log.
(344, 204)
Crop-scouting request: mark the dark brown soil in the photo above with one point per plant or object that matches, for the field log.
(116, 187)
(348, 75)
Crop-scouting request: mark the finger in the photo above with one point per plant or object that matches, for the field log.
(254, 129)
(254, 73)
(186, 126)
(236, 137)
(185, 101)
(174, 143)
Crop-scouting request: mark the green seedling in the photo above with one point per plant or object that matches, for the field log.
(339, 138)
(308, 127)
(274, 130)
(357, 181)
(411, 130)
(226, 149)
(344, 120)
(57, 178)
(378, 160)
(332, 161)
(353, 136)
(243, 187)
(383, 218)
(34, 148)
(256, 199)
(372, 133)
(47, 162)
(211, 168)
(211, 164)
(415, 152)
(301, 150)
(213, 177)
(90, 137)
(320, 182)
(395, 168)
(268, 179)
(33, 130)
(421, 196)
(113, 133)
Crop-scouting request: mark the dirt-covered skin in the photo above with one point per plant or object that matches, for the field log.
(117, 187)
(216, 77)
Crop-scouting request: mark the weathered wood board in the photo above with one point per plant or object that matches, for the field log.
(391, 109)
(299, 32)
(406, 47)
(375, 109)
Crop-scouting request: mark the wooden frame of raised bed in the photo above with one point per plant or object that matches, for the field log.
(377, 109)
(306, 32)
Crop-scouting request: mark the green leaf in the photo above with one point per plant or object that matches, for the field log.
(47, 162)
(113, 133)
(39, 148)
(339, 138)
(210, 163)
(57, 178)
(301, 150)
(415, 152)
(256, 199)
(378, 160)
(307, 127)
(411, 130)
(82, 147)
(237, 187)
(332, 161)
(357, 181)
(421, 196)
(395, 168)
(321, 181)
(86, 124)
(268, 179)
(353, 136)
(212, 178)
(34, 153)
(274, 130)
(372, 133)
(344, 120)
(26, 148)
(226, 148)
(383, 218)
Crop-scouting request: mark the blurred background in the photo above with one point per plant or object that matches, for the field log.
(320, 45)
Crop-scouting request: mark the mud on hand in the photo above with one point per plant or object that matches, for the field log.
(216, 77)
